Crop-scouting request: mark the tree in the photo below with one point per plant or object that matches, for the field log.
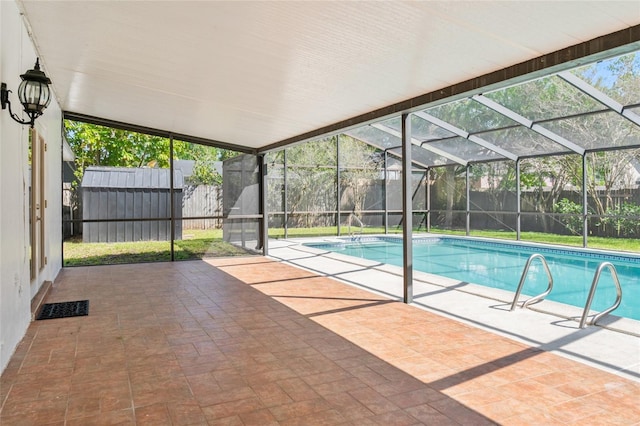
(450, 187)
(311, 178)
(95, 145)
(311, 181)
(551, 97)
(609, 170)
(204, 171)
(360, 168)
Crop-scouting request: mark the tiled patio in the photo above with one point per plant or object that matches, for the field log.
(253, 341)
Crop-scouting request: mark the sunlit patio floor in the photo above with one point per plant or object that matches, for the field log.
(254, 341)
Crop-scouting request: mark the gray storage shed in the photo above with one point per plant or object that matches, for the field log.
(130, 193)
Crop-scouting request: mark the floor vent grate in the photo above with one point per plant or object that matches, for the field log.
(64, 310)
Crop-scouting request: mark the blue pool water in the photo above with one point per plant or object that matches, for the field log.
(500, 265)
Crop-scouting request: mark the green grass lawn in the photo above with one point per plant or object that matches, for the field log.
(618, 244)
(198, 244)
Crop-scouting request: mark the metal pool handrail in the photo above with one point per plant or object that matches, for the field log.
(523, 278)
(592, 292)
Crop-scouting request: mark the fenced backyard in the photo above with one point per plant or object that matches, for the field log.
(372, 205)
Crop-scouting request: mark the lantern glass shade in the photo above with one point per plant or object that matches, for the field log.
(33, 92)
(34, 96)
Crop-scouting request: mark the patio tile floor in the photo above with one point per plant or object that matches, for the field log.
(251, 341)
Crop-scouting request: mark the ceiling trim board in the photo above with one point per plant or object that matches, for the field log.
(68, 115)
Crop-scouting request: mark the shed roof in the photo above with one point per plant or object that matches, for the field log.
(130, 178)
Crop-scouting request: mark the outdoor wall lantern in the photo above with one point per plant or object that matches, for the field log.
(33, 92)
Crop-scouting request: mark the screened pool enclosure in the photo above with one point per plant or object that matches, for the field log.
(557, 155)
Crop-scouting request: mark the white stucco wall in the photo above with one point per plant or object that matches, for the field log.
(17, 54)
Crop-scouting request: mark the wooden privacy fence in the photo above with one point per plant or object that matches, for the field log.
(201, 200)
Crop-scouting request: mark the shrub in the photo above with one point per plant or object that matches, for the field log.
(623, 219)
(571, 215)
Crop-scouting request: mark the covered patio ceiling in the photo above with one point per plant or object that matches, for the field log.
(258, 75)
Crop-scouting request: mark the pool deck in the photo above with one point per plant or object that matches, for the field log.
(256, 341)
(548, 325)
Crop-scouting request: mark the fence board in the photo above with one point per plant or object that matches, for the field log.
(202, 200)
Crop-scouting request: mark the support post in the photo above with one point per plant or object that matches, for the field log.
(172, 215)
(518, 201)
(585, 202)
(428, 172)
(407, 209)
(338, 220)
(384, 192)
(264, 221)
(286, 191)
(468, 208)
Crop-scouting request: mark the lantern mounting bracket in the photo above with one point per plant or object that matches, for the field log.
(4, 98)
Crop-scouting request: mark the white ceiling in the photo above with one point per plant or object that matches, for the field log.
(252, 73)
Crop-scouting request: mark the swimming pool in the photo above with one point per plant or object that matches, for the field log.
(500, 264)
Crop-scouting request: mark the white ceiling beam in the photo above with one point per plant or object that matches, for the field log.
(528, 123)
(416, 142)
(378, 146)
(599, 96)
(475, 139)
